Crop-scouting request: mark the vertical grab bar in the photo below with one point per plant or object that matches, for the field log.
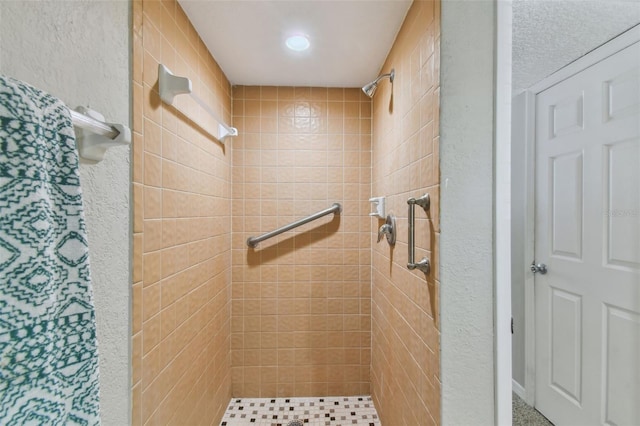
(424, 264)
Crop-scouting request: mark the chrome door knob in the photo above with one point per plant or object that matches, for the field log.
(540, 267)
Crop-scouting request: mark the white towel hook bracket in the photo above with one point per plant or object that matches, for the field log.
(94, 136)
(170, 85)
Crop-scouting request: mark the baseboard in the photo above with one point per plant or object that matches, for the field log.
(518, 389)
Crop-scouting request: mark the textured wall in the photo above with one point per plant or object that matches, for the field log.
(466, 246)
(181, 372)
(518, 211)
(406, 337)
(79, 52)
(301, 301)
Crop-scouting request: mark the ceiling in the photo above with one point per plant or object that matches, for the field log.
(549, 34)
(350, 39)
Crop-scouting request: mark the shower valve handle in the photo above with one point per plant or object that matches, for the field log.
(384, 230)
(388, 229)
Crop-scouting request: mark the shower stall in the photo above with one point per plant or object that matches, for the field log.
(319, 309)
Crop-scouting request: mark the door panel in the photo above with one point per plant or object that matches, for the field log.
(621, 95)
(622, 328)
(622, 198)
(566, 344)
(566, 116)
(587, 223)
(566, 207)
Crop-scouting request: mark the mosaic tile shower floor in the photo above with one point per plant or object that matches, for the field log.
(327, 411)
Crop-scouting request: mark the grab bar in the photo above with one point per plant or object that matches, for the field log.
(253, 241)
(424, 264)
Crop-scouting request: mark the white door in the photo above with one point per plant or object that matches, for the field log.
(587, 305)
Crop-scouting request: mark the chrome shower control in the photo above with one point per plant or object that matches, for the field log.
(388, 229)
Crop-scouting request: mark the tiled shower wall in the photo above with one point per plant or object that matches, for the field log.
(297, 320)
(181, 370)
(301, 302)
(406, 339)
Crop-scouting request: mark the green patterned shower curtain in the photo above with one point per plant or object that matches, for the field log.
(48, 346)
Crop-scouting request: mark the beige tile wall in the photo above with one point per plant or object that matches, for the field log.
(405, 335)
(181, 372)
(298, 317)
(301, 301)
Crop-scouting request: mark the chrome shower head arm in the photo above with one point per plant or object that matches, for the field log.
(391, 76)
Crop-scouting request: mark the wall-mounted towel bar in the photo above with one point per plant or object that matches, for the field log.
(94, 136)
(424, 264)
(92, 125)
(170, 86)
(253, 241)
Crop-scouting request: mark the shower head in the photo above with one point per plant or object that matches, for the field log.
(370, 89)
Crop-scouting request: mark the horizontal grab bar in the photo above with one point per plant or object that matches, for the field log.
(253, 241)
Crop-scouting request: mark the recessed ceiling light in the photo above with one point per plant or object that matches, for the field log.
(297, 42)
